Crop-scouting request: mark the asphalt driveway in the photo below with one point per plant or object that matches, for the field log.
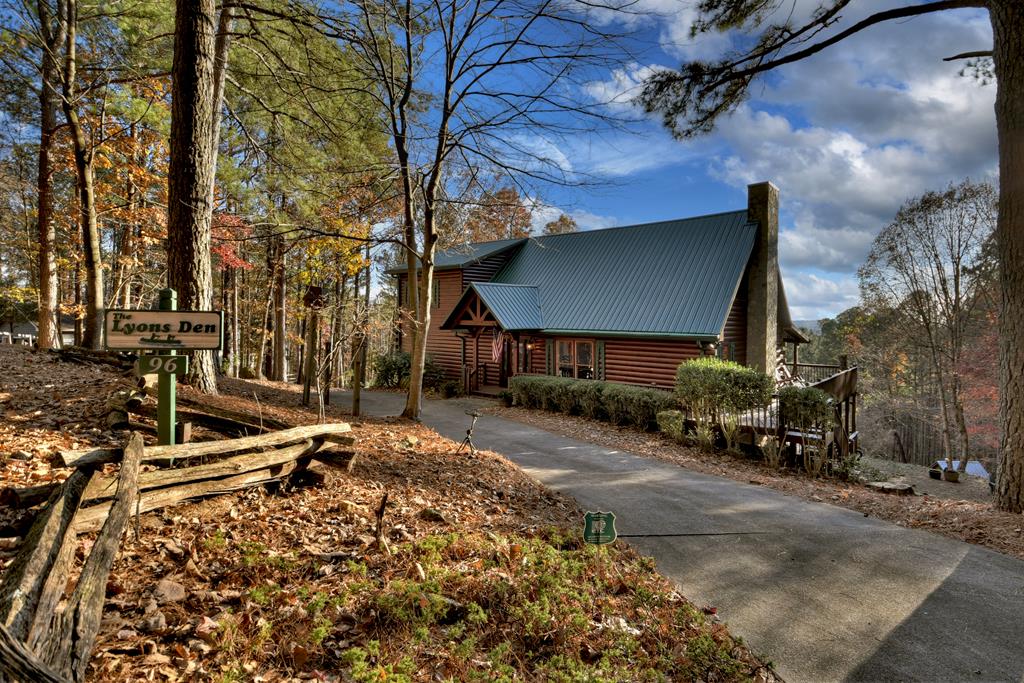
(824, 592)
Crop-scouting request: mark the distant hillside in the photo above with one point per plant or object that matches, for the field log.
(812, 325)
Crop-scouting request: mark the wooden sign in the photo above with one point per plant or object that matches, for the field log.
(178, 330)
(172, 365)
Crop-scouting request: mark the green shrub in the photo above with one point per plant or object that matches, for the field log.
(806, 408)
(619, 403)
(590, 398)
(636, 406)
(673, 423)
(451, 388)
(390, 368)
(708, 386)
(392, 371)
(718, 391)
(434, 375)
(561, 397)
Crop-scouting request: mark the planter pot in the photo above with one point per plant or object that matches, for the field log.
(951, 475)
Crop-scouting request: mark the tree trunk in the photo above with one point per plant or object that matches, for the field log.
(53, 38)
(960, 422)
(92, 257)
(279, 368)
(235, 348)
(1007, 18)
(191, 170)
(263, 368)
(310, 364)
(414, 400)
(77, 299)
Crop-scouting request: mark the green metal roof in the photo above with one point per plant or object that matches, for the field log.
(465, 255)
(672, 278)
(515, 307)
(471, 253)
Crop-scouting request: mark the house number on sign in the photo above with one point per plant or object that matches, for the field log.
(172, 365)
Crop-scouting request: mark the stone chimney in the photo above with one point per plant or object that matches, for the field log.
(763, 277)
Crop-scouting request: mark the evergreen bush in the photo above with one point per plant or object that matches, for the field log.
(392, 370)
(619, 403)
(719, 392)
(806, 408)
(673, 423)
(636, 406)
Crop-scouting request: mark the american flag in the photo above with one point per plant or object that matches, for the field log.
(497, 346)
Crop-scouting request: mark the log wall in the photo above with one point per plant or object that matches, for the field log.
(642, 361)
(442, 345)
(735, 330)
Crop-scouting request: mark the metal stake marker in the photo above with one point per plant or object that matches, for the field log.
(167, 387)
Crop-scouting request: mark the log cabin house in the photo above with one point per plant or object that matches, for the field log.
(625, 304)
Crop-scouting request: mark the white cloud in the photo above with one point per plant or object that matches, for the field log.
(542, 214)
(840, 251)
(622, 86)
(811, 297)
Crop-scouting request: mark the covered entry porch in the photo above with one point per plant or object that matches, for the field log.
(495, 324)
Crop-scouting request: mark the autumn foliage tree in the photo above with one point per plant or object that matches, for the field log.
(925, 267)
(498, 215)
(561, 225)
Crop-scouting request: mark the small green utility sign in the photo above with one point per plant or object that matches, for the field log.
(599, 527)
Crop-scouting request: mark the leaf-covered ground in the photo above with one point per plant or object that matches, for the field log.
(974, 521)
(486, 577)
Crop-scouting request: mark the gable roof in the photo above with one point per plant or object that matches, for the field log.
(515, 307)
(671, 278)
(465, 255)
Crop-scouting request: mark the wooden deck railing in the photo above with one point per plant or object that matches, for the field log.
(815, 372)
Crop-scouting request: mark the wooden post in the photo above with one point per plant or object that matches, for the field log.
(844, 362)
(167, 385)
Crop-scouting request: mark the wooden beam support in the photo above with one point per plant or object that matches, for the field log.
(42, 552)
(91, 518)
(67, 645)
(330, 432)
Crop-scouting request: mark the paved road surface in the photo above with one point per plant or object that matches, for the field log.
(824, 592)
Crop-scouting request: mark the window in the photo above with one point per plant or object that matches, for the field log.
(584, 360)
(576, 358)
(436, 293)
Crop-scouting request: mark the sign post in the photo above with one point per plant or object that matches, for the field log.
(167, 390)
(166, 330)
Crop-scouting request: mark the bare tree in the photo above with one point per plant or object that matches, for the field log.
(922, 266)
(471, 84)
(692, 99)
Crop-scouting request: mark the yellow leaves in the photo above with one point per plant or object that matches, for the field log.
(325, 256)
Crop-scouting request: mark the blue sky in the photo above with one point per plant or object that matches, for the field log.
(847, 135)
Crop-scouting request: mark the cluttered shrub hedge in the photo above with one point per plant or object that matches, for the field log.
(806, 408)
(617, 403)
(392, 371)
(718, 392)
